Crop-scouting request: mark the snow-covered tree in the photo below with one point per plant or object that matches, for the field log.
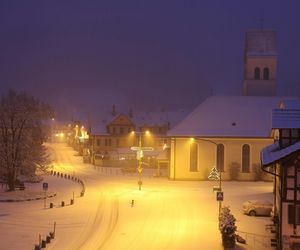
(214, 174)
(21, 136)
(227, 227)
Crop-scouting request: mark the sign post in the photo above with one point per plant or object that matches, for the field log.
(45, 188)
(220, 198)
(139, 156)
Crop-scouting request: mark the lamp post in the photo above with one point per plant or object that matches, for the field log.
(140, 155)
(219, 172)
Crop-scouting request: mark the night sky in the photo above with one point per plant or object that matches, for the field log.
(84, 56)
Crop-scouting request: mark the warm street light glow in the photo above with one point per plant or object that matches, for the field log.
(147, 132)
(192, 139)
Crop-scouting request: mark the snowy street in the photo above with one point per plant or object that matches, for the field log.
(165, 214)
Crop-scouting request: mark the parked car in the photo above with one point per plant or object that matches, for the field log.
(257, 207)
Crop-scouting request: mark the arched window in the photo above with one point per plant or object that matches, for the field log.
(220, 157)
(257, 73)
(266, 73)
(246, 158)
(193, 157)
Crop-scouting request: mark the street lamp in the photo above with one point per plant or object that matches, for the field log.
(219, 173)
(140, 155)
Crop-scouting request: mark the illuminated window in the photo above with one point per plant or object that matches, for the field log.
(257, 73)
(220, 157)
(266, 73)
(246, 158)
(193, 157)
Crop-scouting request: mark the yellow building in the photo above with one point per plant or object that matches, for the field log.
(112, 138)
(224, 131)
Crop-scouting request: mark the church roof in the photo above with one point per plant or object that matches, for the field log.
(230, 116)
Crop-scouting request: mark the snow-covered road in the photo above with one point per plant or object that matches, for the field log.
(166, 214)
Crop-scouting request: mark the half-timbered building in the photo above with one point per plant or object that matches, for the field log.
(282, 160)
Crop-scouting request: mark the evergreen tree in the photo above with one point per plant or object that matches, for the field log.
(214, 174)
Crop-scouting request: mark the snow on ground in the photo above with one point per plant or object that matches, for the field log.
(165, 215)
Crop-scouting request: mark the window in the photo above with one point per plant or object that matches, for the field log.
(266, 73)
(98, 142)
(106, 142)
(114, 130)
(121, 130)
(293, 216)
(246, 158)
(220, 157)
(288, 137)
(257, 73)
(117, 142)
(298, 178)
(193, 157)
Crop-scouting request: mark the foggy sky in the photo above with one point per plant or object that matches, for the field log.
(88, 55)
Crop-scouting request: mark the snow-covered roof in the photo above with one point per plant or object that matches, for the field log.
(159, 118)
(98, 129)
(273, 153)
(230, 116)
(286, 118)
(139, 119)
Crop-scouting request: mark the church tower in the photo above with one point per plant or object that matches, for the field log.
(260, 63)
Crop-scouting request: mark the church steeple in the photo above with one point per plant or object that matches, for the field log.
(260, 63)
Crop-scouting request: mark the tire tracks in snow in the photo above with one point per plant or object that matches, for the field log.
(90, 226)
(113, 220)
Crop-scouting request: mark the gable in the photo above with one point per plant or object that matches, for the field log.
(121, 120)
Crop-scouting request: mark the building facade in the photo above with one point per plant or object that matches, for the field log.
(282, 161)
(224, 131)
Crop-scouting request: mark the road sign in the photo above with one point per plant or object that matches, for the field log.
(220, 196)
(142, 148)
(45, 186)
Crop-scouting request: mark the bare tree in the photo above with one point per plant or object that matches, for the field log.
(21, 135)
